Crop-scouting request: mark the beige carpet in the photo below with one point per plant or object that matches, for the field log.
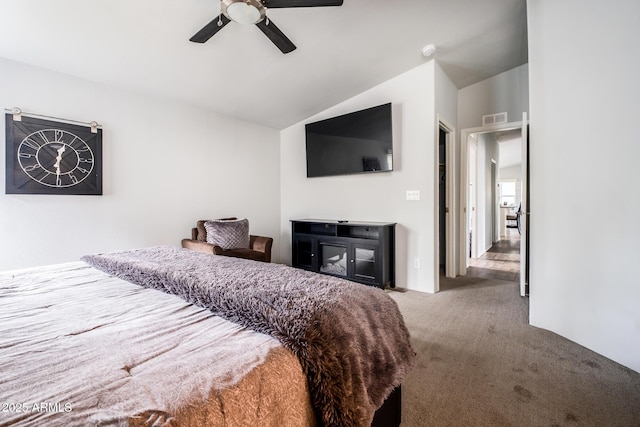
(480, 364)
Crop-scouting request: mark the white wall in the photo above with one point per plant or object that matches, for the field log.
(165, 166)
(505, 92)
(382, 196)
(584, 67)
(511, 172)
(446, 96)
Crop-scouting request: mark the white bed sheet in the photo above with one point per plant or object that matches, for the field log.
(63, 361)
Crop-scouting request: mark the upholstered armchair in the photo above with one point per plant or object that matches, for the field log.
(257, 248)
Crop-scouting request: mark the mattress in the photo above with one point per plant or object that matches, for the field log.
(80, 347)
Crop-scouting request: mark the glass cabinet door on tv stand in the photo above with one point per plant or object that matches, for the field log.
(365, 263)
(304, 253)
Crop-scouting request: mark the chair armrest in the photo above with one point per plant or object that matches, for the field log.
(261, 244)
(194, 234)
(217, 250)
(196, 245)
(200, 246)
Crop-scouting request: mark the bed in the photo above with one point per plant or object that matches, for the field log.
(165, 336)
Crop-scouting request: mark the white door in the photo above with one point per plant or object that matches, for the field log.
(524, 211)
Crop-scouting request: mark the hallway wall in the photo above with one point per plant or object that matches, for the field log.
(584, 114)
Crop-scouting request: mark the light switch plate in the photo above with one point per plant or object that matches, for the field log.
(413, 195)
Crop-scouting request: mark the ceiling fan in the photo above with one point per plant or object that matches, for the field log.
(255, 12)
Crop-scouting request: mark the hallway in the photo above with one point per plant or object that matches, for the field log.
(501, 262)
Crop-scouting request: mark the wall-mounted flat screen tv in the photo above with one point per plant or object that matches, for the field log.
(358, 142)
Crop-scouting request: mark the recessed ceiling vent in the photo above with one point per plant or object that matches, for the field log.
(494, 119)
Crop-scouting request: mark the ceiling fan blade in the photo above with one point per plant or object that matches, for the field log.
(301, 3)
(210, 29)
(276, 36)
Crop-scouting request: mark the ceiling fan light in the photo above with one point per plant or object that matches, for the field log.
(249, 12)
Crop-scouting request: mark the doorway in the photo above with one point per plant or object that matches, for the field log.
(442, 199)
(445, 202)
(483, 209)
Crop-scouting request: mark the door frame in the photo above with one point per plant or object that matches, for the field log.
(472, 200)
(465, 135)
(525, 210)
(495, 203)
(450, 199)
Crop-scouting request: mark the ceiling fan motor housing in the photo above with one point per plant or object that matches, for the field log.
(243, 11)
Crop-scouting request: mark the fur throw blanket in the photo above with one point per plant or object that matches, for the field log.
(351, 339)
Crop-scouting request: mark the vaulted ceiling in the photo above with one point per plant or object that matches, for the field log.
(144, 46)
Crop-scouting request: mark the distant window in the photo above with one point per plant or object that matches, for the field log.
(508, 193)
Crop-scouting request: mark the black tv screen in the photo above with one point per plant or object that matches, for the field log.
(358, 142)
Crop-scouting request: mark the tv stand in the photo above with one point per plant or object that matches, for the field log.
(363, 252)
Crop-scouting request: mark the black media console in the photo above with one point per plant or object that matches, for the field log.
(363, 252)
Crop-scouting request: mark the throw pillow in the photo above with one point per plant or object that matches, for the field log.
(228, 234)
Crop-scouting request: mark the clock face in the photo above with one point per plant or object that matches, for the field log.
(55, 158)
(47, 157)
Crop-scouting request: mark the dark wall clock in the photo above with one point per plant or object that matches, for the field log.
(49, 157)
